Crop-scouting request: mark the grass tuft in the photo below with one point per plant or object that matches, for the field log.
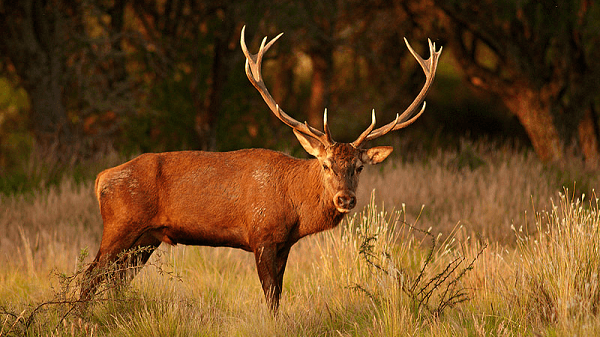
(559, 268)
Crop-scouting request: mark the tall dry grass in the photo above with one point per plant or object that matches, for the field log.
(486, 187)
(379, 273)
(547, 285)
(38, 229)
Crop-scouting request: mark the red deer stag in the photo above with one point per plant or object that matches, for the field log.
(259, 200)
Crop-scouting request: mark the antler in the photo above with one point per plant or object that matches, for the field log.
(406, 118)
(253, 71)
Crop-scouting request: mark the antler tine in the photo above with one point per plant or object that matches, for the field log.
(254, 62)
(326, 128)
(254, 72)
(406, 118)
(365, 133)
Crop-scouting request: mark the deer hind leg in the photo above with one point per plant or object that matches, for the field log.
(134, 258)
(113, 257)
(270, 263)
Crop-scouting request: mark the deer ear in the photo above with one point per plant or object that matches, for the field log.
(376, 155)
(312, 145)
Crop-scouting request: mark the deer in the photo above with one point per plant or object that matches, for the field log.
(258, 200)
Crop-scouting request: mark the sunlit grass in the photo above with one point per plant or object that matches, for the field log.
(560, 265)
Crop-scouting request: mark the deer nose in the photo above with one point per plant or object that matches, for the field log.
(344, 201)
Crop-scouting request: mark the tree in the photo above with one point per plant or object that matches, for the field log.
(97, 70)
(35, 39)
(68, 57)
(194, 48)
(540, 58)
(190, 40)
(312, 29)
(354, 54)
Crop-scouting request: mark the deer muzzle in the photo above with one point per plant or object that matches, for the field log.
(344, 201)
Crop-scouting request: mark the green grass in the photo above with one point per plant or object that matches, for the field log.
(495, 250)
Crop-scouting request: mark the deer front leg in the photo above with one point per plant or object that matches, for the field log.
(270, 263)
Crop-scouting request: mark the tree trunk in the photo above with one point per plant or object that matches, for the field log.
(117, 21)
(34, 39)
(534, 114)
(207, 115)
(283, 91)
(588, 137)
(48, 115)
(319, 89)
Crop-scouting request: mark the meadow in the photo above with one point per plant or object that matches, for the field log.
(480, 241)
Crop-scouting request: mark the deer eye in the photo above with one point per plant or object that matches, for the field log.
(326, 167)
(359, 169)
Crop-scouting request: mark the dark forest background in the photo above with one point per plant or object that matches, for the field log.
(81, 78)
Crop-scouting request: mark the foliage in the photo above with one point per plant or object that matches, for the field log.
(166, 124)
(151, 76)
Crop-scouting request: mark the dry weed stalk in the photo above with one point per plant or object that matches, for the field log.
(437, 284)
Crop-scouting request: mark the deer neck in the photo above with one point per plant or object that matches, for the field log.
(313, 203)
